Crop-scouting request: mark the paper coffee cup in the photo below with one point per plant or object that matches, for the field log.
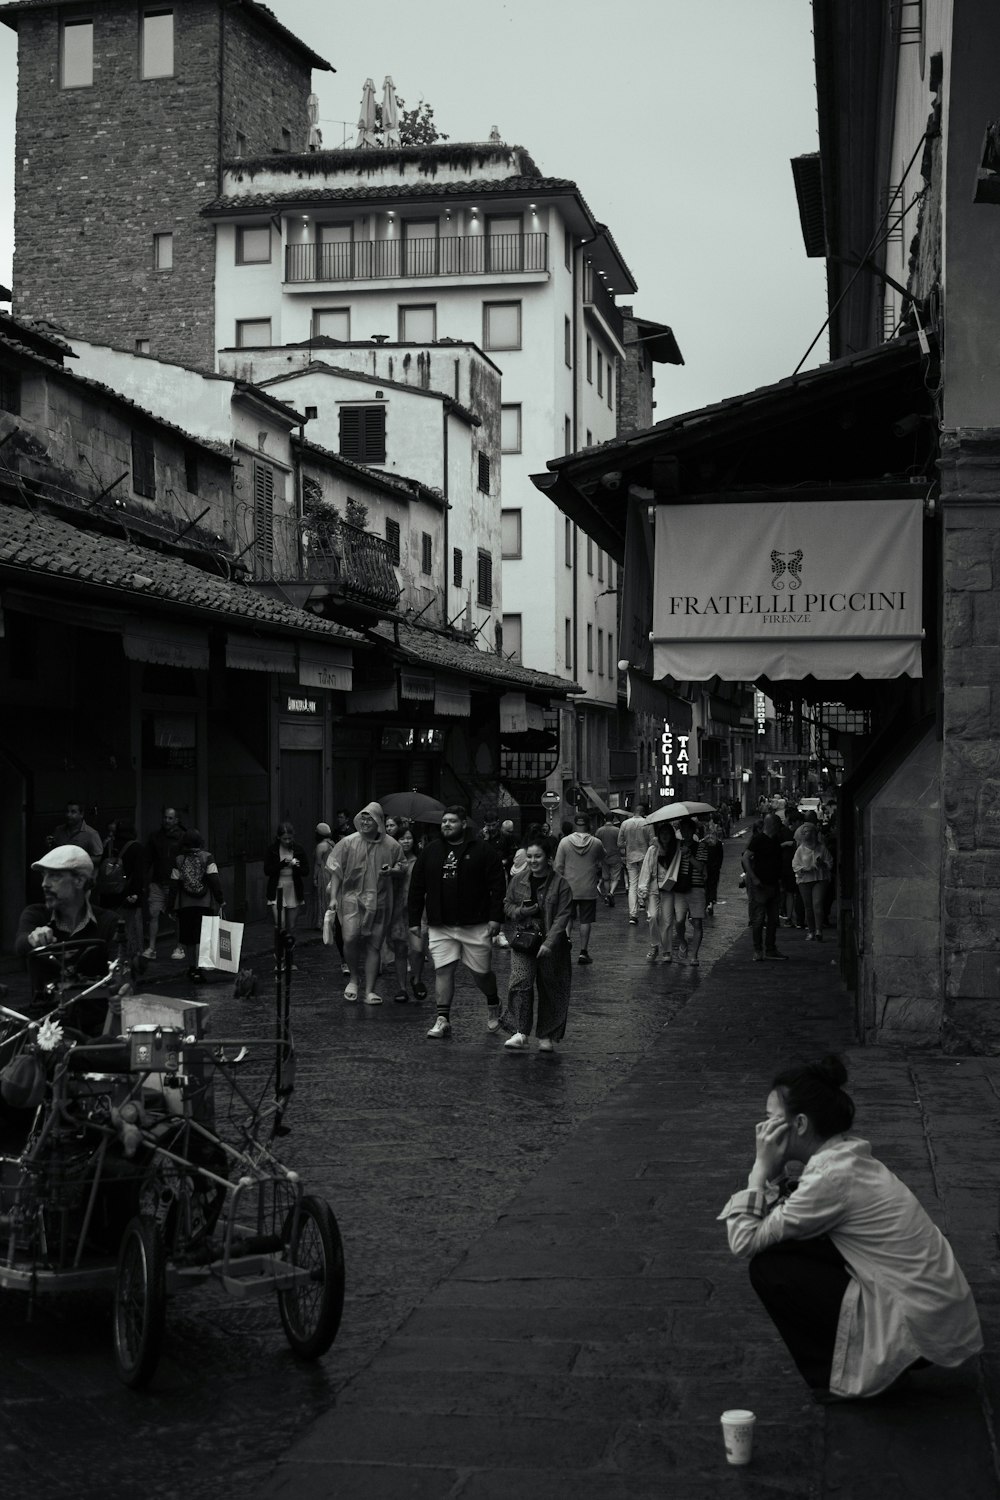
(737, 1434)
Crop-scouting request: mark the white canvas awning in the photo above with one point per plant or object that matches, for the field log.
(786, 589)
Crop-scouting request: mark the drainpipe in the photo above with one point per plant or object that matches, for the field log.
(444, 486)
(300, 504)
(577, 268)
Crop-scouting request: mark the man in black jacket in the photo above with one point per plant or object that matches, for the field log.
(460, 880)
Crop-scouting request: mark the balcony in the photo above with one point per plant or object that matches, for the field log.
(448, 255)
(359, 564)
(596, 296)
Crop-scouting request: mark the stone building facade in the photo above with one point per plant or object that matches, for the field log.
(113, 166)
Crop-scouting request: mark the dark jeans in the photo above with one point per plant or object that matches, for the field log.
(802, 1284)
(763, 916)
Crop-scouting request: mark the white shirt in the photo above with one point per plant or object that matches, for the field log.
(907, 1297)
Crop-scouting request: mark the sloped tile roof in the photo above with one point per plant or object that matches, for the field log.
(41, 547)
(478, 187)
(433, 649)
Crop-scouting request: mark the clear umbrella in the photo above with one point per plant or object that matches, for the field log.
(390, 114)
(315, 138)
(366, 120)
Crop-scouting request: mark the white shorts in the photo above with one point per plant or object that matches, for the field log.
(471, 946)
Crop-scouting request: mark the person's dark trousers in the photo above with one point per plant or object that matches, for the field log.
(802, 1284)
(763, 902)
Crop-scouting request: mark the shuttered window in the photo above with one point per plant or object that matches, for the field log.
(484, 579)
(425, 552)
(143, 465)
(484, 473)
(263, 514)
(456, 558)
(392, 538)
(362, 433)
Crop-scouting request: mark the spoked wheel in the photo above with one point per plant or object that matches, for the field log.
(140, 1302)
(311, 1310)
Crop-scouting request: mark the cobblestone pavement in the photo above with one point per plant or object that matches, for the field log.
(418, 1146)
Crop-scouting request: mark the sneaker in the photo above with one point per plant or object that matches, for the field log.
(178, 953)
(773, 953)
(758, 958)
(441, 1027)
(493, 1018)
(545, 1044)
(633, 921)
(517, 1043)
(653, 954)
(149, 952)
(584, 957)
(372, 999)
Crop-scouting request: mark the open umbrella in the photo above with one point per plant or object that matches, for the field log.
(366, 119)
(414, 806)
(390, 114)
(677, 810)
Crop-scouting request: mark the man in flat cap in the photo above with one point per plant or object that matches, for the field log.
(65, 913)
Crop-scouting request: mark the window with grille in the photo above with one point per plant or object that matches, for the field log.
(191, 471)
(456, 567)
(362, 433)
(10, 392)
(392, 539)
(484, 579)
(143, 465)
(263, 514)
(484, 473)
(426, 552)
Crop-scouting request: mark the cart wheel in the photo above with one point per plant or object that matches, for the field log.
(140, 1302)
(311, 1311)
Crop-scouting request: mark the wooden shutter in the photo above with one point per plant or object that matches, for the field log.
(143, 465)
(263, 514)
(392, 538)
(484, 579)
(457, 566)
(362, 434)
(484, 473)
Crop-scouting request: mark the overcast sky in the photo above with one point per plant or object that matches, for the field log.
(676, 118)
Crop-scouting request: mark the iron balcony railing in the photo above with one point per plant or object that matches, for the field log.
(362, 564)
(439, 255)
(596, 295)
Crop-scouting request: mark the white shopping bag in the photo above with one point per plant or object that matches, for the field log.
(220, 945)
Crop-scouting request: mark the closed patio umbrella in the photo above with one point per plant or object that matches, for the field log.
(366, 120)
(315, 137)
(390, 114)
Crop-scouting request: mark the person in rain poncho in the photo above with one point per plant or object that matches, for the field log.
(364, 870)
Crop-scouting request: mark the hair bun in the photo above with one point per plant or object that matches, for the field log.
(832, 1069)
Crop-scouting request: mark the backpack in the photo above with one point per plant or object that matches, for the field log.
(191, 868)
(111, 878)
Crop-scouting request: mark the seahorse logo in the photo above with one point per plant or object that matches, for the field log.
(786, 562)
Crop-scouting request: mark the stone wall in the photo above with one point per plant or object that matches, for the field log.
(265, 90)
(635, 381)
(970, 478)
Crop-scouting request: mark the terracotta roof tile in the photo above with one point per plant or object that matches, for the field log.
(434, 649)
(233, 203)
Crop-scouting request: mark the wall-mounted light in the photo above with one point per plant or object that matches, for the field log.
(391, 214)
(532, 207)
(473, 210)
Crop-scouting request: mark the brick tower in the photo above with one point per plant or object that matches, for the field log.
(125, 114)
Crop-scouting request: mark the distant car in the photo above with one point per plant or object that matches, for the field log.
(809, 804)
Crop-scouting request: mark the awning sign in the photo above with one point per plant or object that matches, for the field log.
(166, 645)
(787, 589)
(325, 667)
(249, 653)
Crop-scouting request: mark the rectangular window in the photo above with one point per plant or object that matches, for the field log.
(568, 342)
(568, 542)
(253, 244)
(362, 433)
(312, 412)
(10, 392)
(600, 652)
(569, 644)
(191, 471)
(484, 473)
(286, 138)
(611, 655)
(241, 143)
(426, 552)
(157, 47)
(456, 567)
(484, 579)
(590, 359)
(590, 556)
(501, 325)
(600, 565)
(510, 533)
(590, 438)
(76, 69)
(142, 346)
(512, 637)
(600, 373)
(332, 323)
(590, 648)
(253, 333)
(568, 436)
(568, 250)
(510, 428)
(610, 384)
(163, 252)
(418, 324)
(143, 465)
(263, 514)
(392, 539)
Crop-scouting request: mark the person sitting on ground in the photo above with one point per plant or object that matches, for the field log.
(859, 1282)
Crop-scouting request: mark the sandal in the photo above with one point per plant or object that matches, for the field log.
(401, 997)
(419, 989)
(351, 993)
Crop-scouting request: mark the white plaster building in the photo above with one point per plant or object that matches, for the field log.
(466, 243)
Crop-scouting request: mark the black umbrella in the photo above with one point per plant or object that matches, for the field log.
(415, 807)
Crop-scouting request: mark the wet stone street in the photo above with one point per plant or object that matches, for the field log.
(416, 1144)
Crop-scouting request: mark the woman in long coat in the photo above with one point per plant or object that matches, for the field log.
(538, 898)
(362, 893)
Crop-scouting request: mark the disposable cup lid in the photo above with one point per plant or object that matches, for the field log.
(738, 1416)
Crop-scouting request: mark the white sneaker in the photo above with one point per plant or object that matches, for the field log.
(149, 952)
(493, 1018)
(178, 953)
(441, 1027)
(545, 1044)
(517, 1043)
